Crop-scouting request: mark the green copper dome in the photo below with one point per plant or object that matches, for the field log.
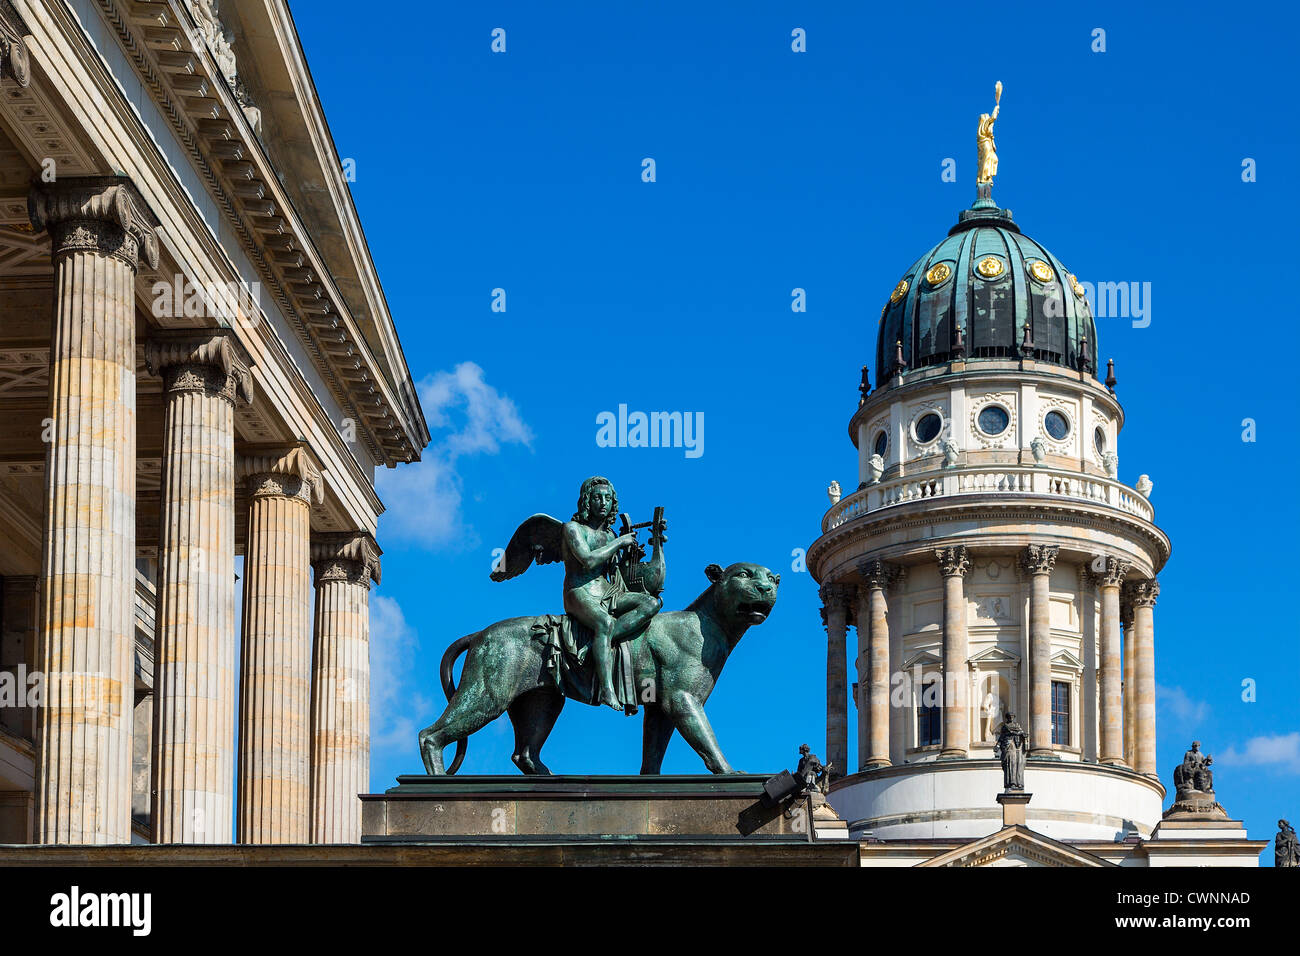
(973, 296)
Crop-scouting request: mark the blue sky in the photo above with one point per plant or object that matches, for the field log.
(819, 170)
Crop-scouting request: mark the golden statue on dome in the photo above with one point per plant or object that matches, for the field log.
(987, 151)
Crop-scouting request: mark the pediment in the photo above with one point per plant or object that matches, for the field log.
(922, 659)
(1015, 846)
(995, 655)
(1064, 658)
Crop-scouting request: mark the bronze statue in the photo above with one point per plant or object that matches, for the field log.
(812, 774)
(1194, 773)
(612, 645)
(1286, 850)
(986, 149)
(1011, 747)
(596, 595)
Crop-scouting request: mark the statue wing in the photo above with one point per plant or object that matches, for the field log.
(537, 539)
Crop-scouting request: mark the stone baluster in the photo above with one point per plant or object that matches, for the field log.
(100, 230)
(954, 563)
(204, 375)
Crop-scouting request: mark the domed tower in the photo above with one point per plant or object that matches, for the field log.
(989, 559)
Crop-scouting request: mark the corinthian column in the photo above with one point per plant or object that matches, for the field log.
(204, 374)
(954, 562)
(99, 230)
(274, 704)
(1130, 685)
(344, 565)
(873, 744)
(1038, 561)
(837, 599)
(1143, 595)
(1111, 578)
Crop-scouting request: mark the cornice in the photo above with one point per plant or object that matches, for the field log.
(180, 74)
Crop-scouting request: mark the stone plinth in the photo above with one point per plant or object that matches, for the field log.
(701, 807)
(1013, 807)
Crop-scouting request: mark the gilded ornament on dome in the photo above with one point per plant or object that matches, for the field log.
(1041, 271)
(938, 274)
(989, 267)
(1074, 285)
(900, 290)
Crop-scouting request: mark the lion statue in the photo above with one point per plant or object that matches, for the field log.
(674, 664)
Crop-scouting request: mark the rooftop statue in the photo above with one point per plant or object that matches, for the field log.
(611, 646)
(1011, 747)
(1194, 773)
(1286, 851)
(985, 147)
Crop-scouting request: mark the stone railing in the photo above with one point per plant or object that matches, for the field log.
(985, 482)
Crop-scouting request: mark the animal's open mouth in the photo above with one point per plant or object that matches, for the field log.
(757, 611)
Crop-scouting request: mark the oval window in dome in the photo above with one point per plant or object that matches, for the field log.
(993, 420)
(927, 428)
(1099, 440)
(881, 445)
(1056, 425)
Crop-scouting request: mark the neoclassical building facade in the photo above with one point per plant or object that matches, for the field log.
(197, 362)
(992, 563)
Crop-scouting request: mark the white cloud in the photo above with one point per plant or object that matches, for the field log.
(424, 498)
(392, 660)
(1176, 701)
(1270, 750)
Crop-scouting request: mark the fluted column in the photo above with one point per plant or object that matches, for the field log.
(873, 745)
(1130, 685)
(99, 231)
(954, 563)
(837, 599)
(1143, 595)
(204, 374)
(343, 566)
(1038, 561)
(1110, 579)
(275, 670)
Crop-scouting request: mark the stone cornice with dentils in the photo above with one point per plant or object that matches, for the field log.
(179, 71)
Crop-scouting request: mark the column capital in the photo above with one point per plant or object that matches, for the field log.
(103, 214)
(210, 360)
(880, 574)
(1143, 592)
(290, 471)
(349, 555)
(1125, 608)
(954, 560)
(13, 48)
(1039, 558)
(1112, 572)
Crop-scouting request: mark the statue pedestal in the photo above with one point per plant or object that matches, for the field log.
(1013, 807)
(561, 809)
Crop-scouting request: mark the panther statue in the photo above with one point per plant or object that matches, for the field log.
(675, 664)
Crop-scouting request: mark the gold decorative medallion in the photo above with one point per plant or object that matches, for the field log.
(938, 274)
(1074, 285)
(883, 309)
(1041, 271)
(900, 290)
(989, 267)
